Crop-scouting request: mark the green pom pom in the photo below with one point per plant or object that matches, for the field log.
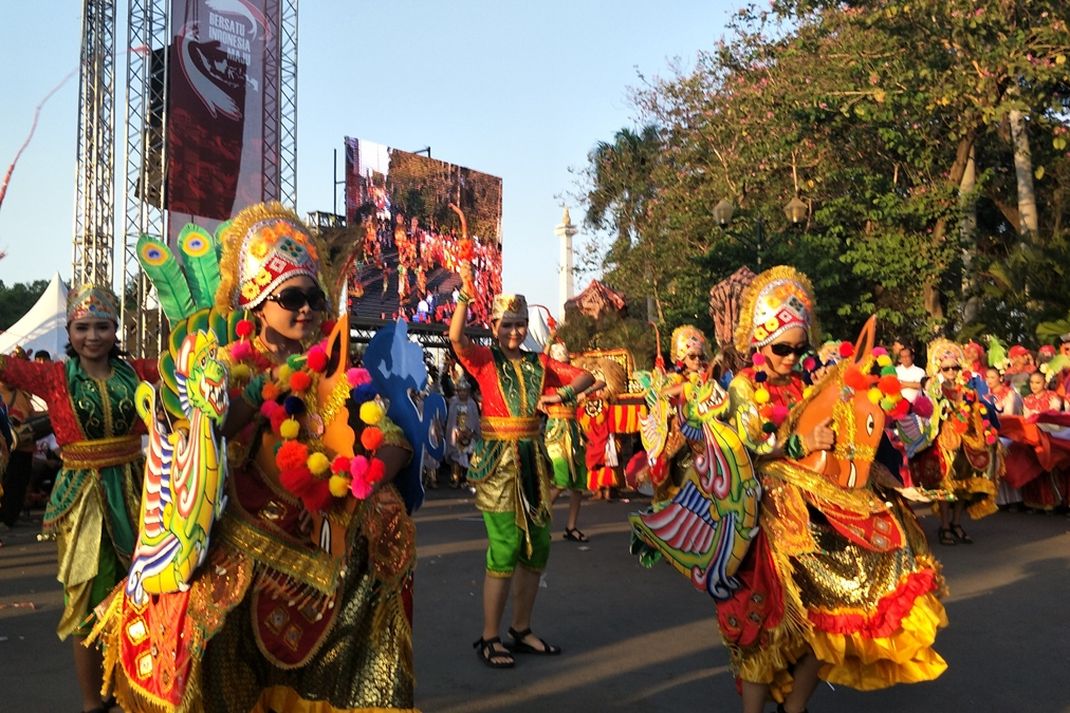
(768, 427)
(295, 361)
(888, 371)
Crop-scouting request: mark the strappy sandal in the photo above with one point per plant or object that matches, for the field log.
(487, 653)
(575, 535)
(946, 536)
(961, 535)
(519, 647)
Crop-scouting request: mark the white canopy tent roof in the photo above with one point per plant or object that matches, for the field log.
(538, 331)
(44, 326)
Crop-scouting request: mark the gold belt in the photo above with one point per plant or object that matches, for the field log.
(101, 453)
(510, 428)
(565, 412)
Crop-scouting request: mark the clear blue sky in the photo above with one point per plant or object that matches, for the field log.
(521, 90)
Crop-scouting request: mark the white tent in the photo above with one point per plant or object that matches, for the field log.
(538, 331)
(44, 326)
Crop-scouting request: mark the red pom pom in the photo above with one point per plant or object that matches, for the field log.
(466, 250)
(376, 470)
(901, 409)
(923, 406)
(244, 328)
(317, 358)
(291, 455)
(297, 480)
(889, 385)
(277, 418)
(340, 465)
(846, 349)
(371, 438)
(854, 378)
(318, 497)
(300, 381)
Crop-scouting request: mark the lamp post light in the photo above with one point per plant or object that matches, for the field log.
(795, 210)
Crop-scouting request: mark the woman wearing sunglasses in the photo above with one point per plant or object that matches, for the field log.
(962, 464)
(804, 585)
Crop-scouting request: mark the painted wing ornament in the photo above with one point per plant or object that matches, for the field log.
(704, 531)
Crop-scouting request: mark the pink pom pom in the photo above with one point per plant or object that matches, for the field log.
(317, 358)
(923, 406)
(361, 488)
(358, 467)
(358, 377)
(240, 351)
(778, 415)
(758, 359)
(809, 363)
(268, 409)
(879, 351)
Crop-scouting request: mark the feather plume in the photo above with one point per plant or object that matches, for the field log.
(163, 269)
(201, 258)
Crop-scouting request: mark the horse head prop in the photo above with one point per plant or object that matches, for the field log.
(855, 399)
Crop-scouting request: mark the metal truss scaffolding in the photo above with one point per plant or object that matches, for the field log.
(94, 194)
(146, 161)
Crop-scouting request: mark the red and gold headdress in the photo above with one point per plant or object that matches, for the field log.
(92, 302)
(263, 246)
(687, 340)
(774, 302)
(509, 307)
(941, 350)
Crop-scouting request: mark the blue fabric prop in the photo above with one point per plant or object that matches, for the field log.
(398, 372)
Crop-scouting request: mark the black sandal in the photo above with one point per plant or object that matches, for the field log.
(946, 536)
(575, 535)
(519, 647)
(487, 653)
(961, 535)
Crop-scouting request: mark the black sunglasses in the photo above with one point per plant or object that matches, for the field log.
(293, 299)
(783, 350)
(951, 368)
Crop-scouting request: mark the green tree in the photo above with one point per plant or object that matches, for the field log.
(16, 300)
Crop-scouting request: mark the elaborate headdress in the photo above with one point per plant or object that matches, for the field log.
(509, 307)
(263, 246)
(775, 301)
(92, 302)
(687, 340)
(941, 350)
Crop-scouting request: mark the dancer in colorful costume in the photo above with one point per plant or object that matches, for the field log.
(510, 468)
(837, 583)
(956, 458)
(304, 599)
(600, 456)
(565, 446)
(1038, 455)
(94, 501)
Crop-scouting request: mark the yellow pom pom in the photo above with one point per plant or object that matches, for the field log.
(875, 396)
(338, 484)
(807, 391)
(289, 428)
(761, 396)
(884, 360)
(318, 463)
(241, 372)
(173, 438)
(371, 412)
(283, 372)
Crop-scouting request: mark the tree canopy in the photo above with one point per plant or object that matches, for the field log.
(927, 139)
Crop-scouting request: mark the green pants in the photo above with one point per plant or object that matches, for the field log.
(506, 547)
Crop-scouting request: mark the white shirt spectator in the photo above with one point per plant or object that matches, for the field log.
(910, 373)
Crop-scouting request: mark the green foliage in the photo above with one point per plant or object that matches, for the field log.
(16, 300)
(869, 113)
(612, 331)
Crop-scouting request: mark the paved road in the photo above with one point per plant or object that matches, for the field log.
(634, 639)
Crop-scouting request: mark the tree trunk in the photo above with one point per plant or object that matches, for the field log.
(1023, 169)
(931, 290)
(968, 232)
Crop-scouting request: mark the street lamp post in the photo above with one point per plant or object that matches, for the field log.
(795, 211)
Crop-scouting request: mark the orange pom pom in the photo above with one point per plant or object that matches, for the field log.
(270, 392)
(854, 378)
(300, 381)
(292, 455)
(889, 385)
(371, 438)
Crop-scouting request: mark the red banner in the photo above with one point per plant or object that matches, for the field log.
(223, 77)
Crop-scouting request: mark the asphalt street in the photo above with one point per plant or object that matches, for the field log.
(634, 639)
